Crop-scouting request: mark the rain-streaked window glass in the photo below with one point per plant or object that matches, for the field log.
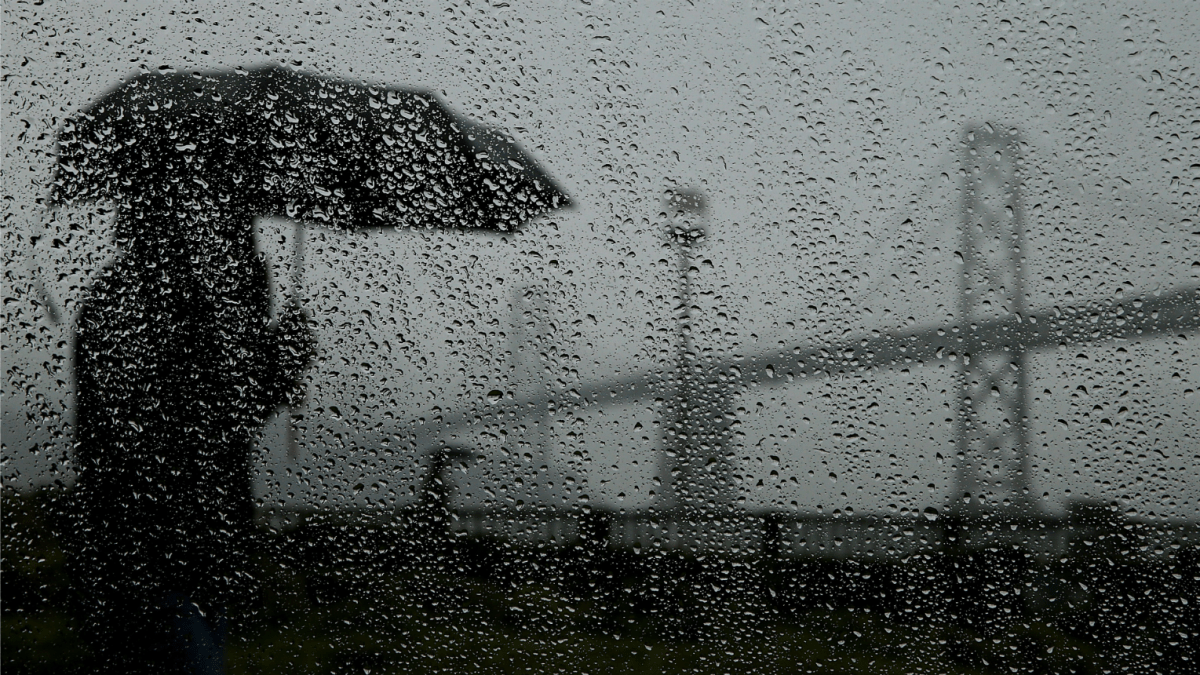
(585, 337)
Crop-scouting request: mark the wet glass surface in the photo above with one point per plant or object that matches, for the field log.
(597, 337)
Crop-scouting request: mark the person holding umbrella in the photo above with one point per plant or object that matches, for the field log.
(178, 364)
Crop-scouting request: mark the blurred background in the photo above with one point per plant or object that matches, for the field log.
(869, 343)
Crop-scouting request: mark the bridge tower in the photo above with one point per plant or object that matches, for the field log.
(992, 425)
(531, 344)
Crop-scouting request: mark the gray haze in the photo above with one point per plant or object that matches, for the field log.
(826, 138)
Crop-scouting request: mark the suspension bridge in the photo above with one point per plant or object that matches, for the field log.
(989, 348)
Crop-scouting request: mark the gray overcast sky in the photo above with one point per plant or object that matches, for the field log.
(825, 135)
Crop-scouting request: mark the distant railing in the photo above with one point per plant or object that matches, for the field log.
(1087, 529)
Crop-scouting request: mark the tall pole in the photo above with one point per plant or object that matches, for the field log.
(695, 437)
(528, 372)
(296, 414)
(992, 433)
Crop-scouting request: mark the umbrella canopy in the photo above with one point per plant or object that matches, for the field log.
(177, 362)
(344, 154)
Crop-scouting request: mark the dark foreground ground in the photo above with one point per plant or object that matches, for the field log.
(405, 597)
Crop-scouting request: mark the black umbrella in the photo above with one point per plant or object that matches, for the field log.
(201, 153)
(177, 363)
(341, 153)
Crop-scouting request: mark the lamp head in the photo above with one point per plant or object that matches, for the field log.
(687, 216)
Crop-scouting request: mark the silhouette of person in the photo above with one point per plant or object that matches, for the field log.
(177, 362)
(178, 367)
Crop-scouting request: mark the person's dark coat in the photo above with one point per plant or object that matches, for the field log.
(178, 368)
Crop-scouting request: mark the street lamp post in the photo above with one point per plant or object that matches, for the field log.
(687, 229)
(688, 440)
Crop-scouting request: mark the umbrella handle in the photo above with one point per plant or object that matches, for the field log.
(293, 439)
(293, 436)
(298, 261)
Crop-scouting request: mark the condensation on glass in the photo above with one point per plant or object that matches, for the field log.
(595, 337)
